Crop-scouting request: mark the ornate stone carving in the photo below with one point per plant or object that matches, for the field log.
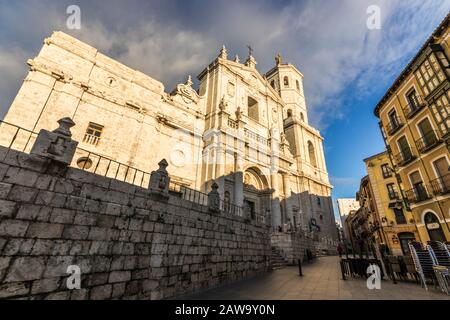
(159, 179)
(187, 93)
(214, 199)
(58, 144)
(239, 113)
(223, 53)
(223, 104)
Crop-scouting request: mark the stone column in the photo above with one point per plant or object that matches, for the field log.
(276, 212)
(287, 194)
(239, 181)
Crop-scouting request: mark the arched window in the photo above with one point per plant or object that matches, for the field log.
(272, 84)
(302, 117)
(297, 84)
(434, 227)
(289, 113)
(286, 81)
(312, 154)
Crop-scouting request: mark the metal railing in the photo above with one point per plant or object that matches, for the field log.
(393, 125)
(441, 185)
(429, 140)
(404, 157)
(188, 193)
(22, 140)
(16, 138)
(414, 106)
(107, 167)
(418, 194)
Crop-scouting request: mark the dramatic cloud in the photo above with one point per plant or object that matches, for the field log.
(328, 40)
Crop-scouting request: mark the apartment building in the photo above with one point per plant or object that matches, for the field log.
(415, 123)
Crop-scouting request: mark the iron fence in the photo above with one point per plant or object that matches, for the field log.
(21, 139)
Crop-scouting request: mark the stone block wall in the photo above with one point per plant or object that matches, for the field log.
(292, 245)
(127, 243)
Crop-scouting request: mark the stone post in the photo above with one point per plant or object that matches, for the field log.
(214, 199)
(56, 145)
(159, 180)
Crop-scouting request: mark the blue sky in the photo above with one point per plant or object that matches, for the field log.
(347, 67)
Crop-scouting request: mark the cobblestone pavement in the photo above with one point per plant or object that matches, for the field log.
(321, 281)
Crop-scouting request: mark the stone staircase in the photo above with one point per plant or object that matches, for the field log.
(276, 260)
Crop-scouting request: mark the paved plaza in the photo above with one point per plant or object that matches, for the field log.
(321, 281)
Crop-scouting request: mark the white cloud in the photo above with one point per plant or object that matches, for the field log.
(328, 41)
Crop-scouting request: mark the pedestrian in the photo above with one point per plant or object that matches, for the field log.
(339, 249)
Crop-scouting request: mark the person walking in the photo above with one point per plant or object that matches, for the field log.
(339, 249)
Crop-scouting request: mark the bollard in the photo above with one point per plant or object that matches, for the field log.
(300, 268)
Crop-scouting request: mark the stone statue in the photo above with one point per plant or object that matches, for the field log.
(223, 104)
(279, 59)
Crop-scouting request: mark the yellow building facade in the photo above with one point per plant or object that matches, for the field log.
(415, 122)
(396, 223)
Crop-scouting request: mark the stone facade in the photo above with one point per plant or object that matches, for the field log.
(127, 244)
(245, 131)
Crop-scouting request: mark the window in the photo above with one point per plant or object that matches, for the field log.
(297, 84)
(393, 195)
(289, 113)
(312, 154)
(84, 163)
(386, 171)
(441, 112)
(302, 117)
(428, 136)
(286, 82)
(430, 74)
(93, 133)
(419, 190)
(394, 123)
(442, 184)
(253, 112)
(319, 203)
(399, 216)
(405, 150)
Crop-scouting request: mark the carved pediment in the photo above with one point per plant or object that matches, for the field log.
(186, 92)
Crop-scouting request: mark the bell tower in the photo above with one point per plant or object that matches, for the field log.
(287, 80)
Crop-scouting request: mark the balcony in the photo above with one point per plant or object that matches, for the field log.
(404, 157)
(393, 126)
(428, 141)
(441, 185)
(418, 194)
(91, 139)
(414, 107)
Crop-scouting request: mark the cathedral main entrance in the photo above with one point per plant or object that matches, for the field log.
(257, 195)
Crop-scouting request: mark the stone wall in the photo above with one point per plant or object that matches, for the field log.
(127, 243)
(291, 245)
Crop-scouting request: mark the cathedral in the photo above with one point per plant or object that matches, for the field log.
(246, 131)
